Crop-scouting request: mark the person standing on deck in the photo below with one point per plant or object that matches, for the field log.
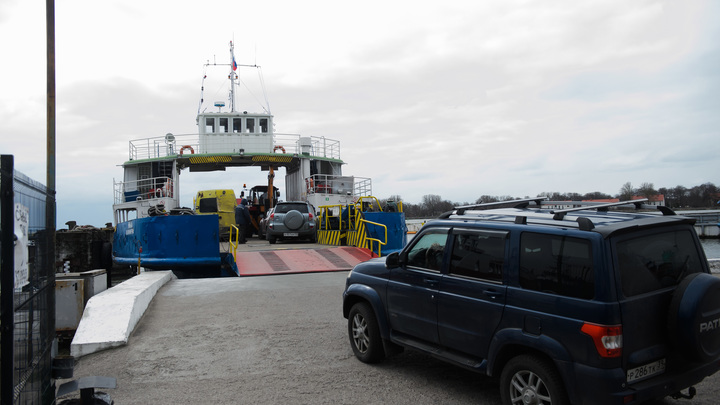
(242, 218)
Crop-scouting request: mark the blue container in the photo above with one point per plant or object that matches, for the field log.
(396, 230)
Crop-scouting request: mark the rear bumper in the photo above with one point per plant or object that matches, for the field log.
(608, 386)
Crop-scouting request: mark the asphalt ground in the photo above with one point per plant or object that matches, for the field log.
(272, 340)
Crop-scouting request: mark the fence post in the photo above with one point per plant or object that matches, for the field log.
(7, 278)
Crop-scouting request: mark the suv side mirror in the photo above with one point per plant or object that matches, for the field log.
(393, 260)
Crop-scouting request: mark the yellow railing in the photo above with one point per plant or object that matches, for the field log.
(326, 214)
(234, 241)
(354, 231)
(362, 202)
(367, 239)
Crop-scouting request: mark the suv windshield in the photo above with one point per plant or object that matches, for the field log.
(656, 261)
(285, 208)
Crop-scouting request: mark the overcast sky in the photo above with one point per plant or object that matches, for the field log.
(456, 98)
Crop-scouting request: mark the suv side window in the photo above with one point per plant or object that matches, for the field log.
(557, 264)
(478, 254)
(427, 252)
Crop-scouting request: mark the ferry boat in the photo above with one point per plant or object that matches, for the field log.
(155, 231)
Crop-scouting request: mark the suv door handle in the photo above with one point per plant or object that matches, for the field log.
(430, 281)
(491, 293)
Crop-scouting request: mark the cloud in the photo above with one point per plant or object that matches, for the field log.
(458, 99)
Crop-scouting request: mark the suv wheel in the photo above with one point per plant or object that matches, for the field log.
(694, 321)
(293, 220)
(364, 334)
(271, 239)
(531, 380)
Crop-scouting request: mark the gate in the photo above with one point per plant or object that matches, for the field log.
(27, 275)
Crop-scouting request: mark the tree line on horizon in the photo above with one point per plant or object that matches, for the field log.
(703, 196)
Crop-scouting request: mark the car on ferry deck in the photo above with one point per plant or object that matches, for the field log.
(292, 220)
(263, 224)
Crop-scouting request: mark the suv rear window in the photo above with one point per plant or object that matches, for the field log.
(655, 261)
(557, 264)
(285, 208)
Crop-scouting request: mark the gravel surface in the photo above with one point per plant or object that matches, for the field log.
(272, 340)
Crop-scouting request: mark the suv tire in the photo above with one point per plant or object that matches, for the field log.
(293, 220)
(364, 334)
(694, 319)
(528, 379)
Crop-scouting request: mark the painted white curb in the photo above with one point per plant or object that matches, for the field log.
(110, 317)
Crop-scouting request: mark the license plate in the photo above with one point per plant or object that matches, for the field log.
(290, 234)
(646, 371)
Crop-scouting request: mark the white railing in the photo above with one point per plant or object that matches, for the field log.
(164, 146)
(145, 189)
(342, 185)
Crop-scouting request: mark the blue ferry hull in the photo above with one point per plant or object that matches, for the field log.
(173, 242)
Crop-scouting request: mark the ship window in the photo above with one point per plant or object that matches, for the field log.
(237, 125)
(250, 125)
(209, 125)
(223, 127)
(264, 125)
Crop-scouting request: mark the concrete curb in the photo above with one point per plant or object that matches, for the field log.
(110, 317)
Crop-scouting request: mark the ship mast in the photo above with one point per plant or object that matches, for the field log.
(232, 76)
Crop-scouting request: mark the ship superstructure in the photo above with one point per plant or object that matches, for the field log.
(226, 138)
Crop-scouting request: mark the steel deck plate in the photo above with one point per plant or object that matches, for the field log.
(289, 261)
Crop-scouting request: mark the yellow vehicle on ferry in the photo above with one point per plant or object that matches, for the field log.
(220, 202)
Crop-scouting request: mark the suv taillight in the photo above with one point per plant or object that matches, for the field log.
(607, 339)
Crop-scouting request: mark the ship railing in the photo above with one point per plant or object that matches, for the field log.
(343, 185)
(144, 189)
(370, 242)
(172, 145)
(363, 186)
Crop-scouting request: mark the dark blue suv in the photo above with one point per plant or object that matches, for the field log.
(584, 305)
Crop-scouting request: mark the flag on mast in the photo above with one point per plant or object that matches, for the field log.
(234, 64)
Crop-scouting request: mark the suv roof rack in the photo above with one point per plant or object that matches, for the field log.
(521, 203)
(583, 223)
(639, 204)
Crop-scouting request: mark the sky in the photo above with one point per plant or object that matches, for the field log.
(458, 99)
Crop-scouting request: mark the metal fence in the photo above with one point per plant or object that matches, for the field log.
(27, 276)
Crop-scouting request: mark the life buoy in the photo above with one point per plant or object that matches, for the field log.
(192, 151)
(279, 147)
(159, 193)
